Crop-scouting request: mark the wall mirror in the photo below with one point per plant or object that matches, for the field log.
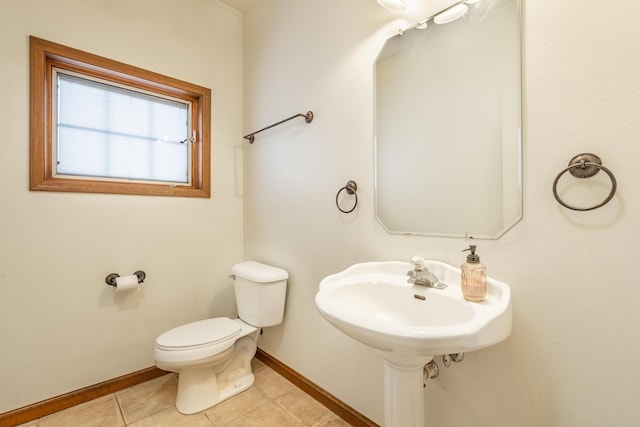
(448, 157)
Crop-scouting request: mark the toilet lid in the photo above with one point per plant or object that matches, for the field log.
(199, 334)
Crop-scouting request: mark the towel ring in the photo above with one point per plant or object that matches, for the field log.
(350, 188)
(585, 165)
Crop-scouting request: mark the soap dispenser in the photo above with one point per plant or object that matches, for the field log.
(473, 277)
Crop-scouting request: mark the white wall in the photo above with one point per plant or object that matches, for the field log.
(61, 326)
(573, 357)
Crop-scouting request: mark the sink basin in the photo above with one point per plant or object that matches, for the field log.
(410, 324)
(373, 303)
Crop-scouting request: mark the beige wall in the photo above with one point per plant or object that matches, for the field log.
(61, 326)
(573, 357)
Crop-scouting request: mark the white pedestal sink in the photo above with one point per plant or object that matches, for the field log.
(410, 324)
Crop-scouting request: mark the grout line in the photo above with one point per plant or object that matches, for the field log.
(124, 420)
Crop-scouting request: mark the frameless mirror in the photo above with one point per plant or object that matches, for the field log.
(448, 125)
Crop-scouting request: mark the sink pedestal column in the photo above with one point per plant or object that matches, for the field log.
(403, 399)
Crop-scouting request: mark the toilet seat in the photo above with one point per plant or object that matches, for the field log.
(199, 334)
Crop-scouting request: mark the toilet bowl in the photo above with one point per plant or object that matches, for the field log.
(213, 356)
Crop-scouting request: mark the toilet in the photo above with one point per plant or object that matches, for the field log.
(213, 356)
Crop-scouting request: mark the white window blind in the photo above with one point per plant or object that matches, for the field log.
(109, 131)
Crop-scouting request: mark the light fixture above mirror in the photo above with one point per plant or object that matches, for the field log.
(446, 16)
(450, 14)
(393, 4)
(456, 11)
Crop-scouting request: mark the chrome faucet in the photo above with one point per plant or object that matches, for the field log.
(420, 275)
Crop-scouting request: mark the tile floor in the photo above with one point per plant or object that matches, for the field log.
(271, 401)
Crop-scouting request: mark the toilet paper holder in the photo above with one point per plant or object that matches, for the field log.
(111, 278)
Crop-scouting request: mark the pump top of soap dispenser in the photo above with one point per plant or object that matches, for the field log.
(472, 257)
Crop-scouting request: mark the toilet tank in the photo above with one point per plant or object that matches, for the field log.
(260, 293)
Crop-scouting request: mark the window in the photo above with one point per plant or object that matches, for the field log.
(98, 125)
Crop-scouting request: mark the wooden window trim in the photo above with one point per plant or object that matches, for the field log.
(43, 55)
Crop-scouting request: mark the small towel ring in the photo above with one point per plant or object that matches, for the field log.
(585, 165)
(350, 188)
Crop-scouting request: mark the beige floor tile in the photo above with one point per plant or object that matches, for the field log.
(305, 408)
(272, 401)
(101, 412)
(148, 398)
(268, 415)
(236, 406)
(335, 421)
(256, 365)
(172, 418)
(272, 383)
